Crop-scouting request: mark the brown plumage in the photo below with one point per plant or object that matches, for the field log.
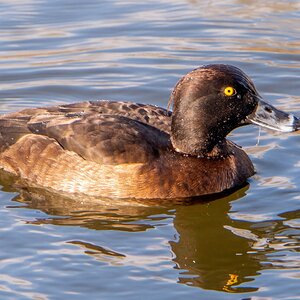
(126, 150)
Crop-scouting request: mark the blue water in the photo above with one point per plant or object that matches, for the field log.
(242, 246)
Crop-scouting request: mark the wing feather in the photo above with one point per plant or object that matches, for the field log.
(106, 132)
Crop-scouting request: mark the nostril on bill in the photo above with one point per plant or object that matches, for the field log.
(268, 109)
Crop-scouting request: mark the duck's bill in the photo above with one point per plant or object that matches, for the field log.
(268, 116)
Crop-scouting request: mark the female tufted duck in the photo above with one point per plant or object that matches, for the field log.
(127, 150)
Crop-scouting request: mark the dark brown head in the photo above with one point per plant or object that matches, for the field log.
(211, 101)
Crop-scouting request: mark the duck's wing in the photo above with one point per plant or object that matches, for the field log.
(96, 132)
(103, 138)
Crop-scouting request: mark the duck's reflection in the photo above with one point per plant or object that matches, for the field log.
(209, 252)
(212, 251)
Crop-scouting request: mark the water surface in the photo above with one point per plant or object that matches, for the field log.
(242, 246)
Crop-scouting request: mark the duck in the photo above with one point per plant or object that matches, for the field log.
(127, 150)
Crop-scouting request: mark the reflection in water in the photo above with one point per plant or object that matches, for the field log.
(212, 251)
(209, 254)
(89, 214)
(100, 253)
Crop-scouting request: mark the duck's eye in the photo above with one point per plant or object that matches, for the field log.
(229, 91)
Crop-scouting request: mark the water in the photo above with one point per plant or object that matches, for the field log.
(243, 246)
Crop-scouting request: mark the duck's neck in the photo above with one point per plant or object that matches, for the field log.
(192, 134)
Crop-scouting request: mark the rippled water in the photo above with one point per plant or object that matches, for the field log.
(243, 246)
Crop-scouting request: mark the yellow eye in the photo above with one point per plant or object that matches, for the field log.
(229, 91)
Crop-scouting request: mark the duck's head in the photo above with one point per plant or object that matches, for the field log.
(211, 101)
